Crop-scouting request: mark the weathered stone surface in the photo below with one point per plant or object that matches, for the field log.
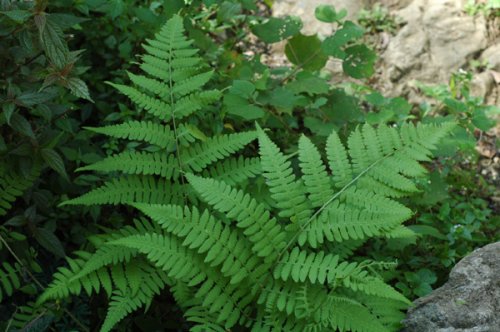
(492, 55)
(437, 39)
(468, 302)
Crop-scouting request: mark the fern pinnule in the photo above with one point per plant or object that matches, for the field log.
(287, 192)
(10, 279)
(13, 185)
(233, 171)
(150, 132)
(131, 189)
(316, 180)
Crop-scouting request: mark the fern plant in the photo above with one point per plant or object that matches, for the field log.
(170, 91)
(236, 262)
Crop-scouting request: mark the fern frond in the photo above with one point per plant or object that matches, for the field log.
(149, 132)
(203, 233)
(131, 189)
(151, 85)
(154, 106)
(13, 185)
(168, 254)
(123, 303)
(340, 221)
(342, 310)
(200, 155)
(195, 102)
(316, 267)
(316, 180)
(193, 83)
(376, 287)
(338, 161)
(135, 162)
(61, 285)
(287, 192)
(204, 320)
(9, 279)
(234, 170)
(120, 306)
(263, 231)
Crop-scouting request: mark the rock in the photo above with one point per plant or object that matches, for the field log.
(437, 39)
(492, 55)
(482, 84)
(468, 302)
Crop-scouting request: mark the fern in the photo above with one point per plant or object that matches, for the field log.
(231, 260)
(10, 279)
(171, 89)
(13, 185)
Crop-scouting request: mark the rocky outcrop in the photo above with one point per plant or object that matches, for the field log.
(468, 302)
(437, 39)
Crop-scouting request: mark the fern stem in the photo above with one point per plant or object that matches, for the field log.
(39, 284)
(174, 125)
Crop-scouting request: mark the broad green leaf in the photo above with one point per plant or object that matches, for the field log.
(34, 98)
(328, 14)
(308, 83)
(283, 99)
(427, 230)
(237, 105)
(243, 89)
(318, 127)
(17, 15)
(482, 121)
(49, 241)
(277, 29)
(66, 21)
(333, 45)
(21, 125)
(52, 39)
(359, 61)
(8, 110)
(78, 88)
(228, 10)
(305, 51)
(54, 160)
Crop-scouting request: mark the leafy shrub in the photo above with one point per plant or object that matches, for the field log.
(36, 124)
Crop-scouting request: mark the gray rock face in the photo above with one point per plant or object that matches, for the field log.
(492, 55)
(468, 302)
(437, 39)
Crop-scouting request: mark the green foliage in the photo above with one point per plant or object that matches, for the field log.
(489, 8)
(378, 19)
(237, 239)
(456, 101)
(250, 264)
(170, 90)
